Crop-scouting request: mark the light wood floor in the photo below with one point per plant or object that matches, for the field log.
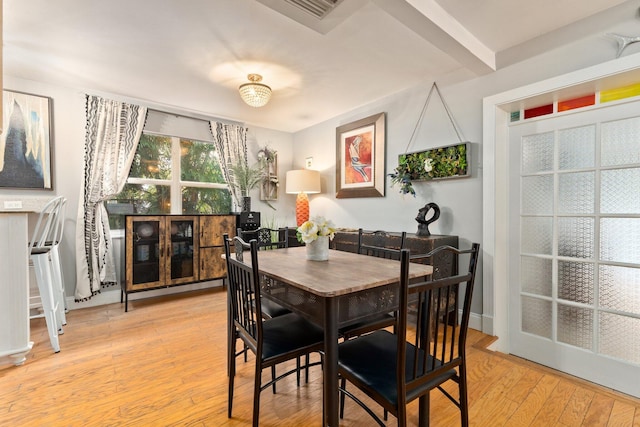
(164, 363)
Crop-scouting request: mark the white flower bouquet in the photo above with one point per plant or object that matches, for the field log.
(317, 226)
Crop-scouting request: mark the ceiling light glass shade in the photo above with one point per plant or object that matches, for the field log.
(255, 94)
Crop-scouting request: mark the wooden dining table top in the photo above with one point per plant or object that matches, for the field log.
(343, 273)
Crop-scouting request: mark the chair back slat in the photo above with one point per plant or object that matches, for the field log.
(268, 238)
(437, 347)
(49, 225)
(374, 243)
(243, 294)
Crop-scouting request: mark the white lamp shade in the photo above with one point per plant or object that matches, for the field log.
(303, 181)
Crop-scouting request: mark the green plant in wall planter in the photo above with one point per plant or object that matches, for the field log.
(450, 161)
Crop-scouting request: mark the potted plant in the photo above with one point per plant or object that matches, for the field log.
(245, 179)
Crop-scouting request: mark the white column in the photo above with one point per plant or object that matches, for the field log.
(14, 287)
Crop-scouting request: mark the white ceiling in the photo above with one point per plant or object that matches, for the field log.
(191, 55)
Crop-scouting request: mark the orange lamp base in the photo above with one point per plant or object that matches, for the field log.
(302, 208)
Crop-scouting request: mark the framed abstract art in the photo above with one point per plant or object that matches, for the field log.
(25, 143)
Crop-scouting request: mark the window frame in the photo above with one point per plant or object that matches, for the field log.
(175, 184)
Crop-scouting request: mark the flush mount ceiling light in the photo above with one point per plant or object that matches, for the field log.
(255, 94)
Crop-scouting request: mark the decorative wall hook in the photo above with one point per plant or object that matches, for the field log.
(623, 41)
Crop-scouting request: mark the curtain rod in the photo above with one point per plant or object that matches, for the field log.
(164, 108)
(196, 116)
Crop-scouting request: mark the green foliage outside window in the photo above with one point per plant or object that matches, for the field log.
(205, 200)
(153, 158)
(153, 161)
(199, 162)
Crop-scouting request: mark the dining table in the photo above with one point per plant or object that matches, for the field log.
(345, 289)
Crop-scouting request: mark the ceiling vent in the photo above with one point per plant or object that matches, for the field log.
(319, 15)
(317, 8)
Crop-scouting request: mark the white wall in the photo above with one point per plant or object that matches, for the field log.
(283, 212)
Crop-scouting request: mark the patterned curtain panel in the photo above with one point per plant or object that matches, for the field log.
(231, 143)
(113, 131)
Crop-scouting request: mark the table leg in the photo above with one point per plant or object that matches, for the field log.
(330, 380)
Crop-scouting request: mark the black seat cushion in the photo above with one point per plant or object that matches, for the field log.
(287, 333)
(272, 309)
(379, 321)
(371, 361)
(40, 251)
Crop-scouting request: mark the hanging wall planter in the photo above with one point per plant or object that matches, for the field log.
(449, 161)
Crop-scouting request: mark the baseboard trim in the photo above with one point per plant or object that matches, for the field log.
(475, 321)
(112, 295)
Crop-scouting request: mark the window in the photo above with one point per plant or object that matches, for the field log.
(171, 175)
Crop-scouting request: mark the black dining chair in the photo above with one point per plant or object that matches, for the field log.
(268, 238)
(273, 341)
(373, 243)
(395, 369)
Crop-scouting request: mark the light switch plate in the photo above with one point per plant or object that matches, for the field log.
(13, 204)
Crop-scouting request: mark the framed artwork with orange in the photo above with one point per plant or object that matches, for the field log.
(360, 158)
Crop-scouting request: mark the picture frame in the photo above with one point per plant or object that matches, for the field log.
(360, 158)
(26, 144)
(269, 185)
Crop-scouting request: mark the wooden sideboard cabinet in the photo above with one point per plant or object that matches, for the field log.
(169, 250)
(442, 267)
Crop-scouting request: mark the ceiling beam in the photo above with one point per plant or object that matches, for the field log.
(431, 22)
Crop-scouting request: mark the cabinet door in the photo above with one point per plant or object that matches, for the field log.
(144, 252)
(212, 266)
(212, 230)
(213, 227)
(181, 261)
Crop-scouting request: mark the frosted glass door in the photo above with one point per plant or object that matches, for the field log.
(575, 255)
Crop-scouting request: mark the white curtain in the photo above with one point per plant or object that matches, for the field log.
(231, 143)
(113, 131)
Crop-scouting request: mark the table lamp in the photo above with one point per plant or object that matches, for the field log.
(302, 182)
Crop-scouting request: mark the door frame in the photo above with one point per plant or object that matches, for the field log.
(495, 148)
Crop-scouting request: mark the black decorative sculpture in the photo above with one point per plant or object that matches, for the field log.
(423, 222)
